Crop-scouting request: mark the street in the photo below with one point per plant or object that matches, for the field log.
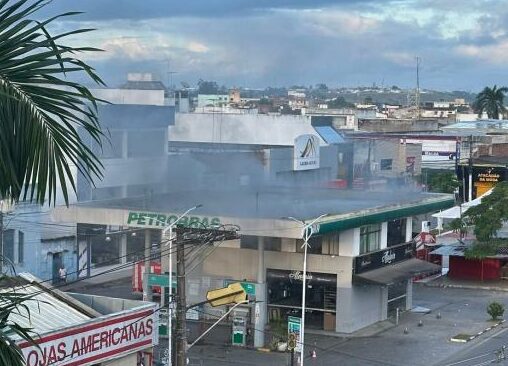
(462, 311)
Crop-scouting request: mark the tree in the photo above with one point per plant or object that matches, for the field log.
(442, 181)
(41, 110)
(495, 310)
(43, 116)
(491, 101)
(340, 102)
(207, 87)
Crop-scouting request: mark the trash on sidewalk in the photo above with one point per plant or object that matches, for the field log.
(420, 310)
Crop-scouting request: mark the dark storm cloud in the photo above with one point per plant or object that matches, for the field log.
(150, 9)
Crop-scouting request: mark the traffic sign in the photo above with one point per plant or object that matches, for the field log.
(294, 326)
(160, 280)
(233, 293)
(249, 287)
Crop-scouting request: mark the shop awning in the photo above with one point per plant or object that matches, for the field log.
(397, 272)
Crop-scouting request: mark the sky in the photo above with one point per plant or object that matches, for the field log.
(463, 44)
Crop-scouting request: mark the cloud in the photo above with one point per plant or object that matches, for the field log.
(285, 42)
(495, 54)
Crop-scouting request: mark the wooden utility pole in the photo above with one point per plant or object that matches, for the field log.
(181, 326)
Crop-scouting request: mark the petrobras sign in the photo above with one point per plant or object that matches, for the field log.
(306, 152)
(148, 219)
(96, 340)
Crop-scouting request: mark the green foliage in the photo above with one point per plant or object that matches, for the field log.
(13, 303)
(208, 87)
(495, 310)
(458, 226)
(41, 110)
(279, 331)
(491, 101)
(480, 251)
(488, 216)
(441, 181)
(340, 102)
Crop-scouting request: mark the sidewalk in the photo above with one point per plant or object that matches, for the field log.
(446, 282)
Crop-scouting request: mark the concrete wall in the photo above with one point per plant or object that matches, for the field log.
(130, 96)
(258, 129)
(35, 223)
(397, 125)
(358, 307)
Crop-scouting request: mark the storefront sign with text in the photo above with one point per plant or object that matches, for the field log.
(93, 343)
(163, 220)
(383, 257)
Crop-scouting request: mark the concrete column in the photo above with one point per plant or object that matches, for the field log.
(384, 236)
(261, 309)
(123, 249)
(409, 229)
(147, 292)
(409, 294)
(384, 303)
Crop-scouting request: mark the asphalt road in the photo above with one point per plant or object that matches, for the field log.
(461, 310)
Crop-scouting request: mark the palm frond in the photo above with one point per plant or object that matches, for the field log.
(41, 110)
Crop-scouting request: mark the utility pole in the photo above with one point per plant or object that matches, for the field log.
(1, 237)
(418, 112)
(181, 326)
(470, 168)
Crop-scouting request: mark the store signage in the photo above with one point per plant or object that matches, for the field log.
(95, 341)
(137, 218)
(297, 276)
(491, 175)
(385, 257)
(294, 326)
(306, 152)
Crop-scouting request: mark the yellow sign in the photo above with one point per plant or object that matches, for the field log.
(233, 294)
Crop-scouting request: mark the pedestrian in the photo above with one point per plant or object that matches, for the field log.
(62, 273)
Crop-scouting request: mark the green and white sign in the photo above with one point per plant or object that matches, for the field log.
(250, 288)
(160, 280)
(137, 218)
(294, 326)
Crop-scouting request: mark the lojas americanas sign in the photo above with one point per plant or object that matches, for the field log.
(95, 341)
(385, 257)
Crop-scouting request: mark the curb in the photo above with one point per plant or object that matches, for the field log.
(468, 287)
(470, 338)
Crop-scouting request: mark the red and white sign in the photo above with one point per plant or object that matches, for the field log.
(96, 341)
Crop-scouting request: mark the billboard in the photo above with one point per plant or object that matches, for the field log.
(306, 152)
(96, 340)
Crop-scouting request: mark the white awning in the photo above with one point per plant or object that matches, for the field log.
(454, 212)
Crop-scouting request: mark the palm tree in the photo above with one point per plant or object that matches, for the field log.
(43, 116)
(491, 101)
(41, 109)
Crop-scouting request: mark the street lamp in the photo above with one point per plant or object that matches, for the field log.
(170, 288)
(307, 231)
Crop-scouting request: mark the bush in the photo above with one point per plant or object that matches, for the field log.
(495, 310)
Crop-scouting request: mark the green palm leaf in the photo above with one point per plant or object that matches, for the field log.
(41, 110)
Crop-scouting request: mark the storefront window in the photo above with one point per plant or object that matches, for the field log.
(315, 245)
(251, 242)
(396, 232)
(370, 238)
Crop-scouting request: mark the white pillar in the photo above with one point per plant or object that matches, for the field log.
(123, 249)
(260, 310)
(384, 235)
(384, 303)
(409, 294)
(147, 292)
(409, 229)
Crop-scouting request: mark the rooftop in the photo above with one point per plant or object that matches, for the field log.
(345, 208)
